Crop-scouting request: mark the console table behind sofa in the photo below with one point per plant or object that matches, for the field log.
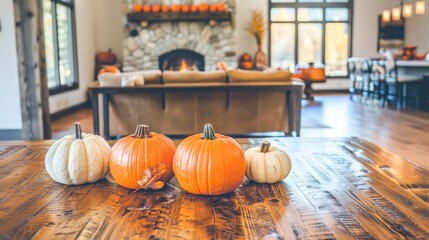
(183, 108)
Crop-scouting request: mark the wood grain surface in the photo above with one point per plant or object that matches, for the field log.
(338, 188)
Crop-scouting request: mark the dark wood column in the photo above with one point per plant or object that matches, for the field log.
(36, 119)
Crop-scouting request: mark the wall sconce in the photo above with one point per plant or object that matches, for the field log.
(386, 15)
(407, 10)
(420, 7)
(396, 13)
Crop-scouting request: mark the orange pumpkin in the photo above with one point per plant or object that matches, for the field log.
(209, 163)
(246, 57)
(142, 160)
(247, 65)
(156, 8)
(165, 8)
(186, 8)
(146, 8)
(109, 69)
(176, 8)
(194, 8)
(221, 7)
(213, 7)
(203, 7)
(137, 8)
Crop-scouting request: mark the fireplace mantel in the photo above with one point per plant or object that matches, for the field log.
(176, 17)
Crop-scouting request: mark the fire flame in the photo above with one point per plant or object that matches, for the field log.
(183, 66)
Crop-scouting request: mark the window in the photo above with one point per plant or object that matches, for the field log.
(60, 47)
(304, 31)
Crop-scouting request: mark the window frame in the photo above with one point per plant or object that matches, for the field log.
(64, 88)
(324, 5)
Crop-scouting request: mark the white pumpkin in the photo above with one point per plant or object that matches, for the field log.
(78, 159)
(267, 164)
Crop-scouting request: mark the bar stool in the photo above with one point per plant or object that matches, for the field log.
(397, 85)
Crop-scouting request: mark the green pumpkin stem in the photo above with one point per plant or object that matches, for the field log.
(77, 130)
(209, 132)
(142, 131)
(265, 146)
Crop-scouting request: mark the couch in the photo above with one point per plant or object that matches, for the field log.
(234, 102)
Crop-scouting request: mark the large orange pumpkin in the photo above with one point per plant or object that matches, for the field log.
(146, 8)
(137, 8)
(209, 163)
(142, 160)
(194, 8)
(165, 8)
(109, 69)
(186, 8)
(156, 8)
(176, 8)
(203, 7)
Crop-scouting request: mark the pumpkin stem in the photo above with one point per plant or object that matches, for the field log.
(142, 131)
(265, 146)
(209, 132)
(77, 130)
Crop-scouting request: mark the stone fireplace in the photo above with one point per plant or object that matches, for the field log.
(144, 45)
(181, 60)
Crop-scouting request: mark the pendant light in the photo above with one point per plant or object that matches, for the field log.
(407, 10)
(420, 7)
(386, 15)
(396, 13)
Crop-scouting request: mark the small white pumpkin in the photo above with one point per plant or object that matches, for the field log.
(267, 164)
(78, 159)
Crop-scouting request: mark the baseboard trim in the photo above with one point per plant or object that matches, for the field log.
(10, 134)
(331, 91)
(70, 110)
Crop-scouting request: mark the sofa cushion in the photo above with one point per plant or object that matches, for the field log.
(257, 76)
(194, 77)
(151, 76)
(140, 78)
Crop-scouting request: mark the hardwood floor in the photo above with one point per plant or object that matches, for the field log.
(403, 132)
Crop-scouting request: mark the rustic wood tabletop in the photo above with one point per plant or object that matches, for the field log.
(338, 188)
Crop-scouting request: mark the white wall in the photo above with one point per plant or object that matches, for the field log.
(245, 41)
(109, 27)
(416, 31)
(9, 83)
(85, 37)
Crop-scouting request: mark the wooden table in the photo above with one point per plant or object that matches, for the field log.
(338, 188)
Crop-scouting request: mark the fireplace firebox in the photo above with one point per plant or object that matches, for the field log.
(181, 60)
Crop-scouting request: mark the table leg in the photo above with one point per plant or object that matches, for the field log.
(106, 116)
(95, 116)
(308, 90)
(298, 99)
(290, 115)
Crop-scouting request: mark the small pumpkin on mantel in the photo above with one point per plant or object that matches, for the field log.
(176, 8)
(78, 159)
(267, 164)
(209, 163)
(185, 8)
(147, 8)
(142, 160)
(203, 7)
(194, 8)
(156, 8)
(165, 8)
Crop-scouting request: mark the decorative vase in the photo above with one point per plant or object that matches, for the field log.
(260, 59)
